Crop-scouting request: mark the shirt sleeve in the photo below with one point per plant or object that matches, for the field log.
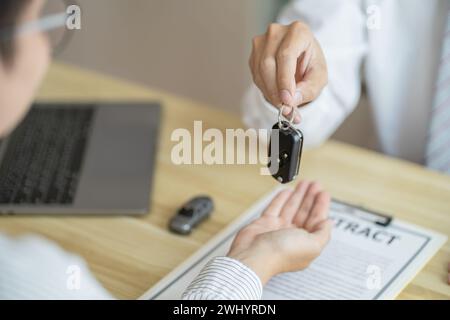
(340, 28)
(224, 278)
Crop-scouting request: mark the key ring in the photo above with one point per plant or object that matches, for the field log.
(282, 124)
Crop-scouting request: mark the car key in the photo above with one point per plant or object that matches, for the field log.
(285, 149)
(191, 214)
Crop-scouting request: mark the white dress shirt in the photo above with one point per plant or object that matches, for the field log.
(397, 62)
(32, 267)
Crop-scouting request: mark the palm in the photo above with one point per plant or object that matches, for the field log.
(262, 225)
(293, 227)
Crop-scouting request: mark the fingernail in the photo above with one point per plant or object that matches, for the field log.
(298, 97)
(285, 97)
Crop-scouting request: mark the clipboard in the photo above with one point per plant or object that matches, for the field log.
(380, 219)
(342, 261)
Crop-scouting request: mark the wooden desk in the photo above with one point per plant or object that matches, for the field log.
(130, 254)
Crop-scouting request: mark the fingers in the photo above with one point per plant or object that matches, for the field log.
(311, 86)
(283, 65)
(312, 74)
(255, 58)
(277, 203)
(297, 40)
(268, 63)
(292, 205)
(302, 65)
(322, 233)
(307, 204)
(319, 211)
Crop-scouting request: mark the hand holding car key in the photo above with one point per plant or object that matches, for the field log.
(285, 148)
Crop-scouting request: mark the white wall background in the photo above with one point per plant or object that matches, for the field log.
(194, 48)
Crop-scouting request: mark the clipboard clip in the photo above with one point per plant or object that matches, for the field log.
(377, 218)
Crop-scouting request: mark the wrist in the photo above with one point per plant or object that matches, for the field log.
(261, 265)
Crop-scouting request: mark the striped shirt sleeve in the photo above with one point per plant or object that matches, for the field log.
(224, 278)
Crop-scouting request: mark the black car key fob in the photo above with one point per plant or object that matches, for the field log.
(191, 214)
(285, 151)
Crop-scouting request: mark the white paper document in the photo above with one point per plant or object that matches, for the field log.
(363, 260)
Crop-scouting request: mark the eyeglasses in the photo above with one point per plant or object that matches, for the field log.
(52, 22)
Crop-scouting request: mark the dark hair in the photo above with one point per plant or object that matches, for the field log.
(10, 11)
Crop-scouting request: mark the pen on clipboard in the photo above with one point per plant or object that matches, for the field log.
(366, 214)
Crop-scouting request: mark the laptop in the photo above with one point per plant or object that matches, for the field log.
(80, 159)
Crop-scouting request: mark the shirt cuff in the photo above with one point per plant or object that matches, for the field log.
(224, 278)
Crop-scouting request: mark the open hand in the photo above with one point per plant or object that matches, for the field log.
(289, 235)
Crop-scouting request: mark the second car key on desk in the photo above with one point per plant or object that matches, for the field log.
(191, 214)
(285, 149)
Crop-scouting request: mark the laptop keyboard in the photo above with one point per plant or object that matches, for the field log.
(44, 155)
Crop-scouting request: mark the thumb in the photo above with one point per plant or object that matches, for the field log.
(311, 85)
(322, 231)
